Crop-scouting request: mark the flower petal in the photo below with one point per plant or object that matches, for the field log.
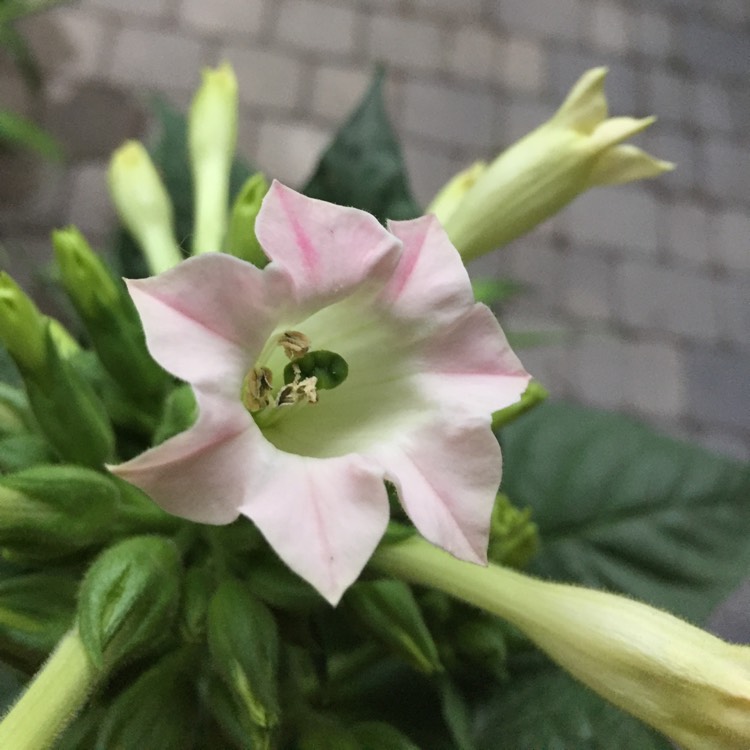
(327, 250)
(324, 517)
(470, 364)
(201, 473)
(430, 279)
(206, 319)
(447, 474)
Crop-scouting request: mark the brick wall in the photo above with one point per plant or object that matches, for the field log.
(648, 285)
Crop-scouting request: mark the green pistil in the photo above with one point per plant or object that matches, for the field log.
(329, 369)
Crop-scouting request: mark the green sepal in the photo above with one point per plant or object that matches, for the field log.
(68, 411)
(390, 613)
(514, 537)
(128, 599)
(534, 395)
(377, 735)
(244, 646)
(240, 239)
(51, 511)
(157, 710)
(110, 317)
(36, 610)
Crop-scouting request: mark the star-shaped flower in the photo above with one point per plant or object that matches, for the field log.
(357, 355)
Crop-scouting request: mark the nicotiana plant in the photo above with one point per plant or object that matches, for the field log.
(254, 500)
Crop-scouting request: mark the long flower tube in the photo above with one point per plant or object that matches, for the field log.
(679, 679)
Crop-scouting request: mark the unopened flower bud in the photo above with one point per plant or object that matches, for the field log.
(50, 511)
(143, 205)
(212, 137)
(15, 416)
(514, 537)
(240, 239)
(579, 148)
(390, 613)
(128, 599)
(22, 326)
(155, 710)
(109, 315)
(244, 644)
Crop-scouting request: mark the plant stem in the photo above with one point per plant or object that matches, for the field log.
(52, 699)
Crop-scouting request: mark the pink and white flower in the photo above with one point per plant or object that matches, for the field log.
(427, 367)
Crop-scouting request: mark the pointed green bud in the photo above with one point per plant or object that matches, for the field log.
(577, 149)
(22, 327)
(377, 735)
(36, 610)
(212, 138)
(244, 645)
(109, 315)
(388, 610)
(158, 710)
(197, 589)
(67, 347)
(514, 537)
(85, 278)
(71, 415)
(50, 511)
(241, 240)
(453, 192)
(143, 205)
(129, 598)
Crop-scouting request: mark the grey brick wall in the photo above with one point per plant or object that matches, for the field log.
(648, 285)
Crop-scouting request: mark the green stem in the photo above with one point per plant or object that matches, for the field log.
(495, 589)
(53, 698)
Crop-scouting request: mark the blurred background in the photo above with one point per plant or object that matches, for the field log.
(650, 283)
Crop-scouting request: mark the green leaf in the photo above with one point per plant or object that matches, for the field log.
(543, 708)
(364, 167)
(18, 132)
(170, 156)
(622, 507)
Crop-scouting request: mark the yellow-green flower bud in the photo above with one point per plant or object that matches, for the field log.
(241, 240)
(143, 205)
(579, 148)
(452, 193)
(128, 599)
(63, 340)
(212, 137)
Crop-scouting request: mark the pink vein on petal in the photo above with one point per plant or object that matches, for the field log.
(310, 255)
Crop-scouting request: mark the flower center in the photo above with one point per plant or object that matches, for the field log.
(306, 373)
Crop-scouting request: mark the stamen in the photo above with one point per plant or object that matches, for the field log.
(294, 343)
(256, 389)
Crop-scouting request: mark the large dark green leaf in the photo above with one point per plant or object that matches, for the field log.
(170, 155)
(623, 508)
(363, 167)
(543, 708)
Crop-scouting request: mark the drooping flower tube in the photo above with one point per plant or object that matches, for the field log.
(357, 355)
